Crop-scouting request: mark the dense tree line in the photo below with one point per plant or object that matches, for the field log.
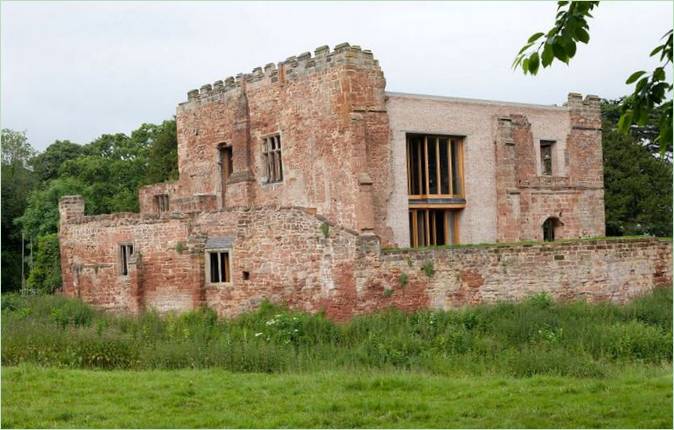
(109, 170)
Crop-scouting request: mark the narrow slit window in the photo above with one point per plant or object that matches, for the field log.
(547, 154)
(219, 267)
(161, 203)
(273, 164)
(125, 253)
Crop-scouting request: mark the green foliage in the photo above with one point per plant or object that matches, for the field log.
(325, 229)
(41, 216)
(570, 27)
(428, 268)
(652, 92)
(404, 279)
(106, 172)
(163, 152)
(180, 247)
(535, 337)
(637, 181)
(47, 164)
(15, 148)
(17, 181)
(388, 292)
(45, 276)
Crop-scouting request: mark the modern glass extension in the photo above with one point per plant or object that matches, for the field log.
(435, 188)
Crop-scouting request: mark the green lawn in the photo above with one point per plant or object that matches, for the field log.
(51, 397)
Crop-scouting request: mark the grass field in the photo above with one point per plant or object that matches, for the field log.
(48, 397)
(532, 364)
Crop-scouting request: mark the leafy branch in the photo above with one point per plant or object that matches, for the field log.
(652, 92)
(560, 42)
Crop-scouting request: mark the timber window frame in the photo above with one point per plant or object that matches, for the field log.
(125, 253)
(161, 203)
(272, 159)
(434, 166)
(433, 227)
(218, 264)
(435, 187)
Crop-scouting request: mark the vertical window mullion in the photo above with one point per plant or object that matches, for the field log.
(419, 169)
(449, 166)
(427, 190)
(437, 165)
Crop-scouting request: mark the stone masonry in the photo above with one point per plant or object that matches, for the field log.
(326, 226)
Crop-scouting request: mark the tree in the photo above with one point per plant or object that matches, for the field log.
(637, 182)
(106, 172)
(46, 165)
(15, 148)
(652, 92)
(17, 181)
(163, 154)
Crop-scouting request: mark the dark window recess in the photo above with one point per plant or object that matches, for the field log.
(219, 266)
(432, 227)
(226, 163)
(273, 164)
(549, 227)
(125, 253)
(161, 203)
(246, 275)
(546, 157)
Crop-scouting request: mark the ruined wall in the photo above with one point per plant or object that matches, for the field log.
(290, 257)
(163, 276)
(574, 195)
(616, 270)
(329, 111)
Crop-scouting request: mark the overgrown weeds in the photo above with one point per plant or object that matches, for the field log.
(537, 336)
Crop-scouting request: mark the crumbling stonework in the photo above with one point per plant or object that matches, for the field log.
(313, 236)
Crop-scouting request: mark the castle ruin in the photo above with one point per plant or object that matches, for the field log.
(306, 183)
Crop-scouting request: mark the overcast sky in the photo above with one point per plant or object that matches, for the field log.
(78, 70)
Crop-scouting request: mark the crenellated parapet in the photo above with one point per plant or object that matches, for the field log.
(294, 67)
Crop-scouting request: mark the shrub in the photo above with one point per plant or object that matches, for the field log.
(535, 337)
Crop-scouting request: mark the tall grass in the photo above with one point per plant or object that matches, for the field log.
(534, 337)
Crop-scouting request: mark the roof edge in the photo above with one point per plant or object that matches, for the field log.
(473, 101)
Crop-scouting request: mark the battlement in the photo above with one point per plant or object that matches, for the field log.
(293, 67)
(576, 101)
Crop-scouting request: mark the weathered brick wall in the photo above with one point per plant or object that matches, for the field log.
(329, 110)
(526, 199)
(163, 277)
(616, 270)
(289, 259)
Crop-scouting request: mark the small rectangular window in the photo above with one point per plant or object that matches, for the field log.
(161, 203)
(546, 157)
(125, 253)
(219, 269)
(271, 153)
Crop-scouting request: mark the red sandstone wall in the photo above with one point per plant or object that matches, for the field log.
(291, 261)
(594, 270)
(330, 113)
(525, 199)
(163, 277)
